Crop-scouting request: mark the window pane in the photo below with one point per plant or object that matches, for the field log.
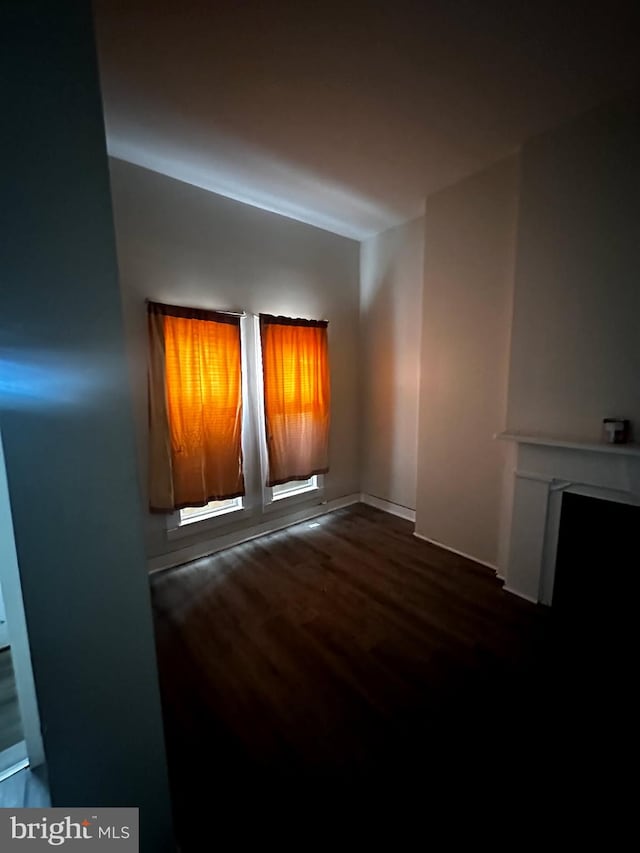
(213, 508)
(294, 487)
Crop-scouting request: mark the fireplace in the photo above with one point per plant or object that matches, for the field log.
(595, 540)
(555, 491)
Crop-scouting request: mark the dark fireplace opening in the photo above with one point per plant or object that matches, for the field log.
(597, 557)
(594, 619)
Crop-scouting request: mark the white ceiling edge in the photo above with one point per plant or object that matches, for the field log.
(246, 175)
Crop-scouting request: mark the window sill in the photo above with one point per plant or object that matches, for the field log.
(203, 525)
(294, 493)
(309, 496)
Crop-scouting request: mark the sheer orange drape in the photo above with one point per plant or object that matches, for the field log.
(295, 366)
(195, 407)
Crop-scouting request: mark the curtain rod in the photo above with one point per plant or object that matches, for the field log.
(193, 307)
(257, 314)
(222, 311)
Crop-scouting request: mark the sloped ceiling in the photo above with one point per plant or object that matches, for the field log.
(348, 115)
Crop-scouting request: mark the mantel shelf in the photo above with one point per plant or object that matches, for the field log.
(631, 449)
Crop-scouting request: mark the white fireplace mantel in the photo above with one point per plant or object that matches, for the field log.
(631, 449)
(545, 468)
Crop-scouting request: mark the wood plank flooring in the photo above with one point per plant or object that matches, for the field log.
(340, 655)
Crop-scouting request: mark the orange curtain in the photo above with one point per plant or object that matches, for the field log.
(295, 367)
(195, 407)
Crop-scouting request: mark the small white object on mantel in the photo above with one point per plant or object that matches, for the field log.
(545, 468)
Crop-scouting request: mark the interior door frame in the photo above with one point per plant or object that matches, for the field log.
(32, 747)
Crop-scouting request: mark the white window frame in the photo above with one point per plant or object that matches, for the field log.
(200, 513)
(296, 487)
(306, 493)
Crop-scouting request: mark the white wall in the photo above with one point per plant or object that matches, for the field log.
(183, 245)
(391, 280)
(470, 232)
(67, 431)
(576, 348)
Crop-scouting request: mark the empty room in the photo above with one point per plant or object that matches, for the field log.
(320, 373)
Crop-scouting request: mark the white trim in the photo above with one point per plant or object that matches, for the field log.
(523, 595)
(491, 566)
(204, 549)
(546, 469)
(554, 484)
(13, 759)
(15, 768)
(17, 625)
(299, 487)
(210, 522)
(537, 478)
(262, 456)
(389, 506)
(233, 505)
(629, 449)
(271, 504)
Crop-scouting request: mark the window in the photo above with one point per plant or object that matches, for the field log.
(216, 381)
(295, 371)
(212, 510)
(195, 408)
(294, 487)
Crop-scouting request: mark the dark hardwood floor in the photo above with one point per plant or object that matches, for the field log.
(337, 657)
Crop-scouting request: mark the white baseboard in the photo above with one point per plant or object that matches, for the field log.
(212, 546)
(388, 506)
(458, 553)
(520, 594)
